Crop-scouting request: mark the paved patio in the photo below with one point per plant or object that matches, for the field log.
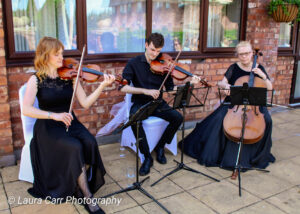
(277, 192)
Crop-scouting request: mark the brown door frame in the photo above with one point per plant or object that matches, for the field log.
(296, 59)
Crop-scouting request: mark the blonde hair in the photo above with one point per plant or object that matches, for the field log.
(243, 44)
(45, 47)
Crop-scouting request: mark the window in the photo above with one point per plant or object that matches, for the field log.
(223, 23)
(115, 33)
(180, 25)
(287, 38)
(33, 20)
(115, 30)
(285, 35)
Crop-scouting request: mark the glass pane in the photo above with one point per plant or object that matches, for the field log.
(223, 23)
(115, 26)
(285, 35)
(34, 19)
(297, 87)
(178, 21)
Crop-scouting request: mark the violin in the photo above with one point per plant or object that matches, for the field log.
(164, 64)
(89, 73)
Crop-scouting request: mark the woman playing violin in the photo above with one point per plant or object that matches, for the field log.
(65, 163)
(208, 143)
(145, 87)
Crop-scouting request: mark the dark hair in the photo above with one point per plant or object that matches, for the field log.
(157, 39)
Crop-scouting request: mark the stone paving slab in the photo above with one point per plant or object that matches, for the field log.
(260, 208)
(261, 184)
(17, 192)
(296, 160)
(285, 116)
(117, 169)
(283, 151)
(5, 212)
(161, 190)
(221, 173)
(170, 161)
(10, 173)
(287, 171)
(189, 180)
(113, 151)
(126, 200)
(3, 200)
(288, 201)
(293, 140)
(223, 197)
(178, 204)
(45, 207)
(135, 210)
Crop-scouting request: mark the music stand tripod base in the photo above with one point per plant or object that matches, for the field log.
(181, 101)
(143, 113)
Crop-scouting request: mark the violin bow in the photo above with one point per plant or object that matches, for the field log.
(76, 83)
(169, 72)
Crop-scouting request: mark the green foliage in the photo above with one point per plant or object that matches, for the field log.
(275, 3)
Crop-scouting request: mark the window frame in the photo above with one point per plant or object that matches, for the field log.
(290, 51)
(14, 58)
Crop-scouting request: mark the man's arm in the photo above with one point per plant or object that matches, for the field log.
(133, 90)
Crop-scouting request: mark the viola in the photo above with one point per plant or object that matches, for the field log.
(89, 73)
(179, 71)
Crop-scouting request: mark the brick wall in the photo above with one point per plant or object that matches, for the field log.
(6, 146)
(261, 30)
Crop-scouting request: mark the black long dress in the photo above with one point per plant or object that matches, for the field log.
(58, 156)
(208, 144)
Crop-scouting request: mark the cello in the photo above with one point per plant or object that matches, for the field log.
(245, 124)
(255, 122)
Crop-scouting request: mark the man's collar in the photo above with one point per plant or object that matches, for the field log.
(143, 58)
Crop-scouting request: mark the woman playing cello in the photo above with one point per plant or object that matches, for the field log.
(208, 143)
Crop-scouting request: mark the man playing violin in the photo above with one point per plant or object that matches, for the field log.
(144, 85)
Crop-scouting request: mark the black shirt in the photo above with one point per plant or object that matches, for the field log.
(234, 72)
(137, 72)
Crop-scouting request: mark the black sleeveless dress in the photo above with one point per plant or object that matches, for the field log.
(208, 144)
(58, 156)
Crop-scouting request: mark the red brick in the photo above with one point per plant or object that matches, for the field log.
(3, 80)
(5, 133)
(5, 124)
(4, 108)
(6, 149)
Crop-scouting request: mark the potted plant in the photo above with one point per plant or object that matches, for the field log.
(284, 10)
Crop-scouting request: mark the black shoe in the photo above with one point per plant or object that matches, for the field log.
(160, 156)
(145, 168)
(99, 211)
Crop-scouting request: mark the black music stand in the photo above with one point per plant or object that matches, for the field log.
(245, 95)
(181, 101)
(143, 113)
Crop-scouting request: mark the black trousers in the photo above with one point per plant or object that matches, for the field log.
(165, 112)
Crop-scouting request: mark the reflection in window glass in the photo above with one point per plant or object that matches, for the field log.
(223, 23)
(34, 19)
(178, 21)
(116, 26)
(285, 35)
